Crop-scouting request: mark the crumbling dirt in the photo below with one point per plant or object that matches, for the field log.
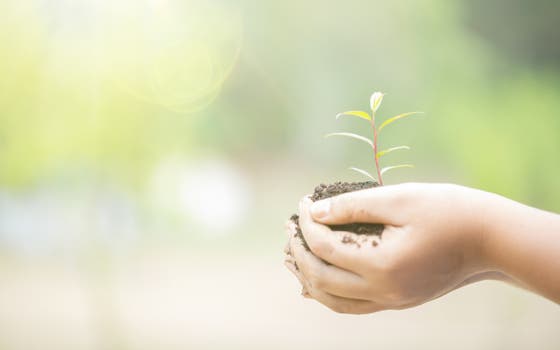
(363, 230)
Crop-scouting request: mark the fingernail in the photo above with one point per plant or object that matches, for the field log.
(320, 209)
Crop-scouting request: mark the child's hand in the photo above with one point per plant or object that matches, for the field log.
(433, 242)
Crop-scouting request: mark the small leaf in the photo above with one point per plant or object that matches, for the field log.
(395, 118)
(389, 150)
(359, 114)
(363, 172)
(375, 101)
(349, 134)
(384, 170)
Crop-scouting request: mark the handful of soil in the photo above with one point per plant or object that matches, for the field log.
(326, 191)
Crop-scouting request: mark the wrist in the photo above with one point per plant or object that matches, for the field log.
(479, 230)
(523, 243)
(495, 214)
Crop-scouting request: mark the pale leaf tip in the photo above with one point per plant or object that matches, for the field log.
(375, 100)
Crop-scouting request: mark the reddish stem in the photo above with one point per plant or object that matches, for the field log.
(375, 150)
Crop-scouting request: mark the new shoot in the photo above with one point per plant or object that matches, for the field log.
(375, 102)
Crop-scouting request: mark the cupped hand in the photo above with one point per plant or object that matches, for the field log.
(433, 242)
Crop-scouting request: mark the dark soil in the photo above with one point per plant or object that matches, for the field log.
(326, 191)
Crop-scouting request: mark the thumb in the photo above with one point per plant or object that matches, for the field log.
(375, 205)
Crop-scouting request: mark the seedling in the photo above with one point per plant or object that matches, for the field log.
(375, 102)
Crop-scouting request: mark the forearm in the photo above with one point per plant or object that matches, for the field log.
(523, 243)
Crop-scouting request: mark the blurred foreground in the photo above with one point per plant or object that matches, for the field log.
(179, 300)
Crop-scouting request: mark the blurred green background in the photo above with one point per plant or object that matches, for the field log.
(150, 152)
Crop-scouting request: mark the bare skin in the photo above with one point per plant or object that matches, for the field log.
(437, 238)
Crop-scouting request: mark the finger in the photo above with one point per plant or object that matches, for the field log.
(344, 305)
(374, 205)
(326, 244)
(290, 226)
(290, 229)
(292, 267)
(287, 248)
(333, 302)
(328, 278)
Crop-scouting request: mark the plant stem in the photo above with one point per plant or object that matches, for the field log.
(379, 178)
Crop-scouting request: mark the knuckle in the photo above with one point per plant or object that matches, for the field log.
(341, 206)
(353, 212)
(359, 214)
(348, 208)
(336, 206)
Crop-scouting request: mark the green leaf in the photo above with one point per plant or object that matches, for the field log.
(359, 114)
(354, 136)
(395, 118)
(384, 170)
(389, 150)
(363, 172)
(375, 101)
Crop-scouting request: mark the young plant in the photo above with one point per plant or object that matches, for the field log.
(375, 102)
